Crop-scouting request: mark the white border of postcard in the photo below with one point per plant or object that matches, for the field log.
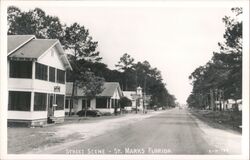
(179, 3)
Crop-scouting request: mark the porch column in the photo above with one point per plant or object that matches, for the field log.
(47, 102)
(33, 70)
(110, 103)
(33, 80)
(32, 101)
(107, 100)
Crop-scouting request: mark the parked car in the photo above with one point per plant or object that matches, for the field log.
(134, 109)
(128, 108)
(89, 113)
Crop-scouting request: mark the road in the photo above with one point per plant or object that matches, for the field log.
(172, 132)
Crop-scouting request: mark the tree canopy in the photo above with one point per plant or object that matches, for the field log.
(221, 77)
(34, 22)
(88, 71)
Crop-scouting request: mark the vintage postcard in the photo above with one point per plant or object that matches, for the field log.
(125, 80)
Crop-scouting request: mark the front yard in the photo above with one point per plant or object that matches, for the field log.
(220, 119)
(73, 130)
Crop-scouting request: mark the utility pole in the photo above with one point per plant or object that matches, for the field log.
(144, 96)
(212, 99)
(136, 103)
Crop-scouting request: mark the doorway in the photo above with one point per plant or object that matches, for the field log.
(50, 105)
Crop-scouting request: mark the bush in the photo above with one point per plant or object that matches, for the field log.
(124, 101)
(106, 114)
(89, 113)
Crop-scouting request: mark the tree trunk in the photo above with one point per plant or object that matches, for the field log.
(136, 104)
(220, 98)
(119, 105)
(236, 106)
(126, 84)
(212, 99)
(115, 107)
(71, 98)
(208, 102)
(85, 113)
(73, 85)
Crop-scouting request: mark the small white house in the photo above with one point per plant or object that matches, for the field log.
(229, 104)
(239, 103)
(136, 97)
(106, 101)
(36, 80)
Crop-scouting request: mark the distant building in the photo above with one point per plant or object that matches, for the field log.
(36, 80)
(136, 97)
(106, 101)
(129, 95)
(229, 104)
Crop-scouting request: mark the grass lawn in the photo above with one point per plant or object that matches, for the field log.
(220, 119)
(23, 140)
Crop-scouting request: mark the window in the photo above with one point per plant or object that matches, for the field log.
(84, 103)
(60, 76)
(40, 102)
(19, 101)
(52, 74)
(41, 71)
(101, 102)
(60, 102)
(20, 69)
(68, 103)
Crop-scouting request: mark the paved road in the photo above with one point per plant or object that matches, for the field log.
(172, 132)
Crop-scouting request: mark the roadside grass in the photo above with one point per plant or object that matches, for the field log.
(22, 140)
(77, 119)
(220, 119)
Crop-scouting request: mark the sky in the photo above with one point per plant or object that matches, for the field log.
(176, 40)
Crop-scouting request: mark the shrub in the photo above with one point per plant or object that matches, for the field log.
(124, 101)
(91, 113)
(106, 114)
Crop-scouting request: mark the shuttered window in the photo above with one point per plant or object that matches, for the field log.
(60, 76)
(40, 102)
(41, 71)
(52, 74)
(101, 102)
(60, 102)
(20, 69)
(19, 101)
(68, 103)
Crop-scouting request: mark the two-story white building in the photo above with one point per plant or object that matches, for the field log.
(36, 80)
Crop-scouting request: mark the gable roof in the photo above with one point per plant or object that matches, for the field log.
(109, 89)
(34, 49)
(69, 86)
(16, 41)
(129, 94)
(28, 47)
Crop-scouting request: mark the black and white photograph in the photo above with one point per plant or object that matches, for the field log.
(126, 79)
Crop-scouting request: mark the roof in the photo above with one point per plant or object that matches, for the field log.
(109, 89)
(129, 94)
(16, 41)
(69, 88)
(34, 49)
(27, 46)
